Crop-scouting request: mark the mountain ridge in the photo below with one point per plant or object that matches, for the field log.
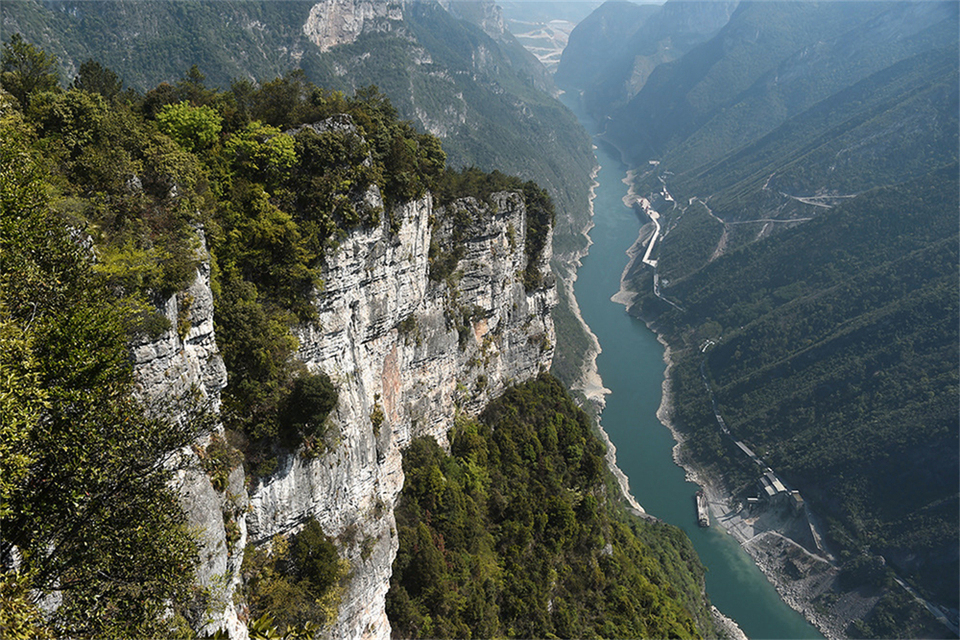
(790, 156)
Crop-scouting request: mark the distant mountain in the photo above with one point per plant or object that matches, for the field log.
(482, 95)
(489, 16)
(612, 53)
(597, 39)
(543, 28)
(770, 62)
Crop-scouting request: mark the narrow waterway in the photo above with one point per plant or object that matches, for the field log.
(631, 365)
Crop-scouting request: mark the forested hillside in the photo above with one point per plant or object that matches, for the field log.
(111, 200)
(518, 533)
(837, 363)
(444, 74)
(104, 193)
(481, 96)
(612, 53)
(804, 164)
(106, 199)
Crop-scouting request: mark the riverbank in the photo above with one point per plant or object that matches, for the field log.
(631, 366)
(778, 541)
(626, 296)
(589, 383)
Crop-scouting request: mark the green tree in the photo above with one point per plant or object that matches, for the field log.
(279, 101)
(194, 128)
(298, 582)
(95, 78)
(191, 87)
(261, 152)
(519, 516)
(86, 495)
(311, 400)
(26, 69)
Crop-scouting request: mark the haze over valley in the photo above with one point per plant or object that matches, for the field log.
(312, 319)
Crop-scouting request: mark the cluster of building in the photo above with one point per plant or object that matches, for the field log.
(774, 493)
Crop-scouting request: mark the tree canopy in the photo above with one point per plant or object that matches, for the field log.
(518, 533)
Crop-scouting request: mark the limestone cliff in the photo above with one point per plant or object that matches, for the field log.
(336, 22)
(184, 360)
(407, 353)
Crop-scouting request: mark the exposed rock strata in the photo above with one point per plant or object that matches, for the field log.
(171, 365)
(182, 361)
(336, 22)
(397, 345)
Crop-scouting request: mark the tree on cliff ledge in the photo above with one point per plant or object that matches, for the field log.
(89, 525)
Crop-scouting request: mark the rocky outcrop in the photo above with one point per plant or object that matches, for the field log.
(185, 356)
(407, 354)
(336, 22)
(183, 363)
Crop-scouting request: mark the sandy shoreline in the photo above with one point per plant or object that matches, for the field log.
(625, 295)
(632, 196)
(589, 383)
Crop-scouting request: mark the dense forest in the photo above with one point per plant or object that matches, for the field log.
(111, 197)
(804, 163)
(842, 331)
(518, 532)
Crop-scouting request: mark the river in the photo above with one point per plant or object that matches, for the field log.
(631, 366)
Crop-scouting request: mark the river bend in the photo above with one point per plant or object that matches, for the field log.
(631, 365)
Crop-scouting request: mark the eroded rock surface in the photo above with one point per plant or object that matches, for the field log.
(407, 354)
(180, 366)
(336, 22)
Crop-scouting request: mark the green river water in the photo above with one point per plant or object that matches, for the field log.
(631, 365)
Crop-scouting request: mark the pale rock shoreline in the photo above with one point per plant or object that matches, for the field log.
(589, 383)
(798, 596)
(626, 296)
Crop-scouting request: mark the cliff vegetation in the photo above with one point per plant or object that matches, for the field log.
(518, 532)
(110, 199)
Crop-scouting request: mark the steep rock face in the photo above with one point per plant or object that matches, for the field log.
(486, 14)
(407, 355)
(172, 364)
(182, 361)
(335, 22)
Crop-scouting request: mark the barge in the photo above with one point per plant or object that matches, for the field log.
(703, 513)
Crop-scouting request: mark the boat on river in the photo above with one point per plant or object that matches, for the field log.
(703, 514)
